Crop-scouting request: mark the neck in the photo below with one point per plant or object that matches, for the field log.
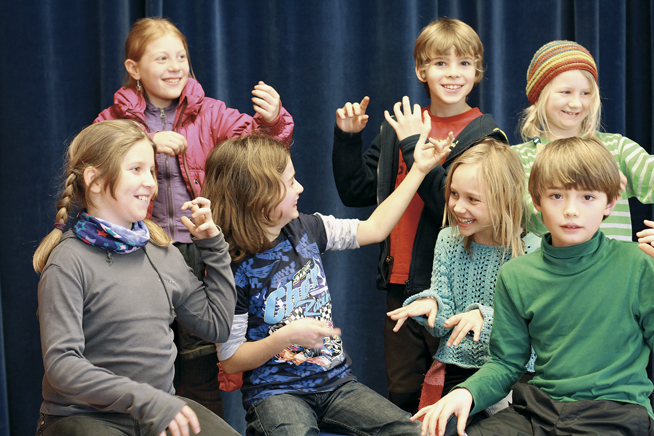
(439, 109)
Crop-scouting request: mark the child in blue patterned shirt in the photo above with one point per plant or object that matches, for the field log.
(297, 376)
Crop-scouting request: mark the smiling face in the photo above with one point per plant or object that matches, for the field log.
(568, 104)
(573, 216)
(135, 188)
(163, 70)
(287, 209)
(468, 203)
(450, 78)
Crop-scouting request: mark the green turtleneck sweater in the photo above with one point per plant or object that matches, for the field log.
(588, 312)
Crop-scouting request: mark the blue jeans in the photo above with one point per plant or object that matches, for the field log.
(121, 424)
(351, 409)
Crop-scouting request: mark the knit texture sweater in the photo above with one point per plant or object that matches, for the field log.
(462, 282)
(588, 312)
(634, 162)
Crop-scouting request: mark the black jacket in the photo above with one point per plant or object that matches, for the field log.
(367, 179)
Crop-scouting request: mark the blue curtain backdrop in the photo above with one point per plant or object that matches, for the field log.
(61, 62)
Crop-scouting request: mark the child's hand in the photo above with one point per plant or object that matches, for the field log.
(266, 102)
(309, 332)
(179, 425)
(457, 402)
(352, 117)
(464, 322)
(421, 306)
(204, 226)
(623, 182)
(427, 155)
(646, 238)
(170, 143)
(406, 123)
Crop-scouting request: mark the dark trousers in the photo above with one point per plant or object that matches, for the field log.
(408, 354)
(535, 413)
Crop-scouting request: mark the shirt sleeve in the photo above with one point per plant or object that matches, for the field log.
(341, 233)
(637, 165)
(236, 337)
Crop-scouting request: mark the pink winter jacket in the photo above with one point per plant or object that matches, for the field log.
(203, 121)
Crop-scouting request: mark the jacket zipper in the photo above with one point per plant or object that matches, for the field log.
(169, 192)
(185, 164)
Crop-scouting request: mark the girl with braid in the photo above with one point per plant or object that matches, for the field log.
(110, 288)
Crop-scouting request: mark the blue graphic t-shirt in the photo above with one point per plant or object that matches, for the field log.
(281, 285)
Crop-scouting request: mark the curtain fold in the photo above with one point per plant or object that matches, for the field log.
(62, 62)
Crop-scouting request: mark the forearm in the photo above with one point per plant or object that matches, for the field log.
(388, 213)
(251, 355)
(355, 174)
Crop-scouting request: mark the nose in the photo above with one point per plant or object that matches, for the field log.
(457, 207)
(149, 179)
(173, 65)
(570, 209)
(574, 100)
(300, 188)
(453, 70)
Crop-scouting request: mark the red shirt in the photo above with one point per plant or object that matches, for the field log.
(404, 233)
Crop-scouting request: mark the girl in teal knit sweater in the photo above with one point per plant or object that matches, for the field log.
(484, 192)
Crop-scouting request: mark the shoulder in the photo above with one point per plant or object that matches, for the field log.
(72, 252)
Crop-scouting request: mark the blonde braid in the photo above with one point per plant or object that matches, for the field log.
(64, 208)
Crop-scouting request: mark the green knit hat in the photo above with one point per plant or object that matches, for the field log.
(553, 59)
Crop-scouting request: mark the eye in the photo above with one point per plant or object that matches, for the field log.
(161, 59)
(585, 93)
(466, 63)
(589, 197)
(556, 196)
(181, 57)
(136, 169)
(473, 199)
(440, 63)
(453, 194)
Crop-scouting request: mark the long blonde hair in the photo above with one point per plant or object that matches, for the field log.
(146, 30)
(533, 121)
(503, 176)
(243, 180)
(101, 146)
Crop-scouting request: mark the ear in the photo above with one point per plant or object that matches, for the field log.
(95, 186)
(420, 74)
(536, 205)
(610, 206)
(133, 69)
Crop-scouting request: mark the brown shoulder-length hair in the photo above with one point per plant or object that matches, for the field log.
(101, 146)
(146, 30)
(503, 177)
(243, 181)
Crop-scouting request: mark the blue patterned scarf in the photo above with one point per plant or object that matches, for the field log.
(109, 236)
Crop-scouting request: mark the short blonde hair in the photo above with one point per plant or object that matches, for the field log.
(575, 163)
(146, 30)
(503, 177)
(243, 180)
(534, 119)
(438, 37)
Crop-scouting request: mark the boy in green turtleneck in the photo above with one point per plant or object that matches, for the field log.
(583, 301)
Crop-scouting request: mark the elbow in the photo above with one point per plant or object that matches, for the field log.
(229, 366)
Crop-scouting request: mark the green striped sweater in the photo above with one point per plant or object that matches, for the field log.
(634, 162)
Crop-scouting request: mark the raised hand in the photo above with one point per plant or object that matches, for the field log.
(203, 227)
(170, 143)
(419, 307)
(406, 123)
(352, 117)
(266, 102)
(464, 322)
(427, 155)
(179, 425)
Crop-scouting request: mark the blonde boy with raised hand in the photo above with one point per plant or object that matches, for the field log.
(565, 300)
(449, 62)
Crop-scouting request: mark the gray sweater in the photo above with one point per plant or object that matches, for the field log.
(105, 325)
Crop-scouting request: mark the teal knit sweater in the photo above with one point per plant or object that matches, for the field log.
(461, 283)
